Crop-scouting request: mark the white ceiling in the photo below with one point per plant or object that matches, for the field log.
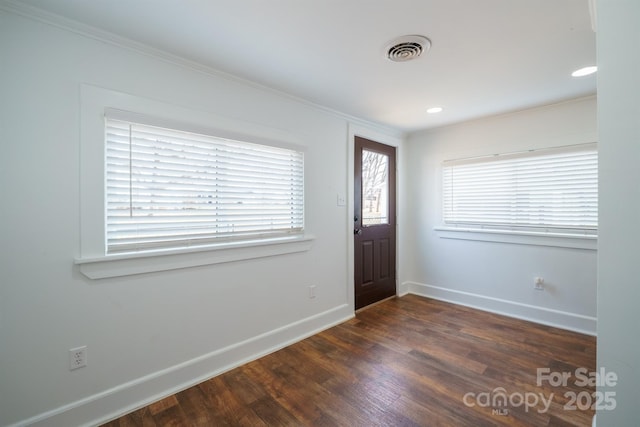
(487, 56)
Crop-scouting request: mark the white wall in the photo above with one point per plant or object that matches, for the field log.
(496, 276)
(618, 251)
(146, 334)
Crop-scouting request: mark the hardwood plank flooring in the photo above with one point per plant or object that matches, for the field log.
(405, 362)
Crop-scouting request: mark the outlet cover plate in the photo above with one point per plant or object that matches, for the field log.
(77, 358)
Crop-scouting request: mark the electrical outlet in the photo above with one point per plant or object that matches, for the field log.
(312, 291)
(341, 200)
(77, 357)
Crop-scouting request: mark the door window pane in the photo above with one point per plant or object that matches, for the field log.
(375, 188)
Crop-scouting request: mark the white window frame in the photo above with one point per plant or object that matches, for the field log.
(92, 259)
(580, 238)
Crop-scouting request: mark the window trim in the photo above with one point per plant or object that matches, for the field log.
(519, 237)
(131, 263)
(91, 259)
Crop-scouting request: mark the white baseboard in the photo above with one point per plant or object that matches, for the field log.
(113, 403)
(403, 289)
(559, 319)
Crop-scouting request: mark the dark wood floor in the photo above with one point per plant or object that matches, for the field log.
(406, 362)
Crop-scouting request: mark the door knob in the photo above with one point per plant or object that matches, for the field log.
(357, 231)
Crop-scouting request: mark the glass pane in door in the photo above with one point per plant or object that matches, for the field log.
(375, 188)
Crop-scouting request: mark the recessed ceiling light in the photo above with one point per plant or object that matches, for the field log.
(584, 71)
(434, 110)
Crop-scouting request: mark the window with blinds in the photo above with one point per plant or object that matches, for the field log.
(542, 190)
(170, 188)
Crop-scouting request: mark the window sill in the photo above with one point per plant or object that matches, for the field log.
(128, 264)
(559, 240)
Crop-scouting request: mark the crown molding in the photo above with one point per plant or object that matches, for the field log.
(27, 11)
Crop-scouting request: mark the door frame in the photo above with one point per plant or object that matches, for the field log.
(393, 139)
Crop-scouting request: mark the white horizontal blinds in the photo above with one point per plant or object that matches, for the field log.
(168, 188)
(539, 190)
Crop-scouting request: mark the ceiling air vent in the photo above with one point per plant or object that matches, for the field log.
(407, 48)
